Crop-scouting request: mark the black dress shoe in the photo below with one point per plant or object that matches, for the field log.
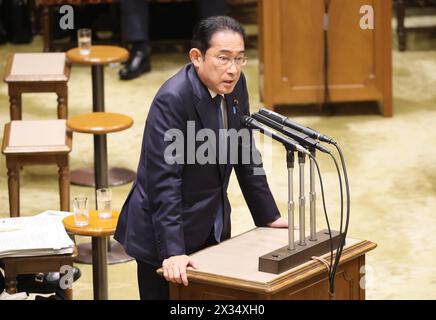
(53, 278)
(138, 64)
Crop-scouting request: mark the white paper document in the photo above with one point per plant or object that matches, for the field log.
(42, 234)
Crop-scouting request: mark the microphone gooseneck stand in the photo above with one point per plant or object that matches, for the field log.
(291, 204)
(312, 197)
(302, 201)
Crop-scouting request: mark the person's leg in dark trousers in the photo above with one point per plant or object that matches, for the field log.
(151, 285)
(135, 30)
(135, 20)
(208, 8)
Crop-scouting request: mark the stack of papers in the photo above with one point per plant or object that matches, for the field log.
(39, 235)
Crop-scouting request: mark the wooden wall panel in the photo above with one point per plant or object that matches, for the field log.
(291, 45)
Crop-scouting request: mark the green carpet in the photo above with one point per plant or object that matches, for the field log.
(390, 162)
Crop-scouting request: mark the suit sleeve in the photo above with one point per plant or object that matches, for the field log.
(164, 131)
(255, 187)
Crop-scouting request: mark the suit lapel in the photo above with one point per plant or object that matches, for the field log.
(205, 108)
(233, 117)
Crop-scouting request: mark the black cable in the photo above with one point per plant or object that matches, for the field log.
(347, 222)
(333, 265)
(340, 242)
(326, 218)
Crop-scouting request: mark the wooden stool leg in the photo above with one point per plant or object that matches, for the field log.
(64, 182)
(69, 294)
(14, 189)
(46, 28)
(15, 106)
(99, 268)
(401, 32)
(63, 103)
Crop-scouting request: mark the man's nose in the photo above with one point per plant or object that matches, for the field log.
(232, 69)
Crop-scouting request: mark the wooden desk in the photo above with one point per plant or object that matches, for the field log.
(230, 271)
(28, 265)
(46, 19)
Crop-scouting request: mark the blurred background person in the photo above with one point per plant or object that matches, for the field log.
(135, 19)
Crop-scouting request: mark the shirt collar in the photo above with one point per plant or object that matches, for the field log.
(213, 94)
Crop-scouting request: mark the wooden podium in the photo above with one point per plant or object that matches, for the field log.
(229, 271)
(291, 48)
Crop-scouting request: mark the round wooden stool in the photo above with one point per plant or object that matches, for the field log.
(99, 124)
(98, 57)
(99, 230)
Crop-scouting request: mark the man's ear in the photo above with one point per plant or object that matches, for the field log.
(195, 56)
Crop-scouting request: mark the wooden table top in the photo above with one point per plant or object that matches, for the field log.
(96, 228)
(36, 137)
(37, 67)
(99, 122)
(99, 55)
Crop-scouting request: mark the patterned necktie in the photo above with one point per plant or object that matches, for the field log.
(218, 225)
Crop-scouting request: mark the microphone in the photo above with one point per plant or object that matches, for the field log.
(301, 138)
(291, 124)
(288, 142)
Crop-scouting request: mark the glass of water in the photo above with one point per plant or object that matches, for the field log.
(84, 41)
(81, 211)
(104, 203)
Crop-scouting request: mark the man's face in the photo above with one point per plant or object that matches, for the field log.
(220, 67)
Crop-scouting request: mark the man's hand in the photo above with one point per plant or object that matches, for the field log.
(279, 223)
(174, 268)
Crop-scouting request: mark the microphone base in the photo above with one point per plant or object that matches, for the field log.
(283, 259)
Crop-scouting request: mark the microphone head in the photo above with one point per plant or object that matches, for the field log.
(264, 111)
(245, 120)
(273, 115)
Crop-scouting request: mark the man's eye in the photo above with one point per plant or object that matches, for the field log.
(223, 58)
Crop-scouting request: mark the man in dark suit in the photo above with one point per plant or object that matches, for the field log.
(177, 206)
(135, 19)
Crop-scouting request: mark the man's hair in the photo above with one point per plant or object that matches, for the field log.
(206, 28)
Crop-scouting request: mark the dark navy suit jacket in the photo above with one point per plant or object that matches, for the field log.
(171, 208)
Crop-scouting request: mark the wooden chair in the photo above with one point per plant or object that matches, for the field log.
(401, 6)
(34, 143)
(37, 72)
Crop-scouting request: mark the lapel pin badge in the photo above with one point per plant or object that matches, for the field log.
(235, 106)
